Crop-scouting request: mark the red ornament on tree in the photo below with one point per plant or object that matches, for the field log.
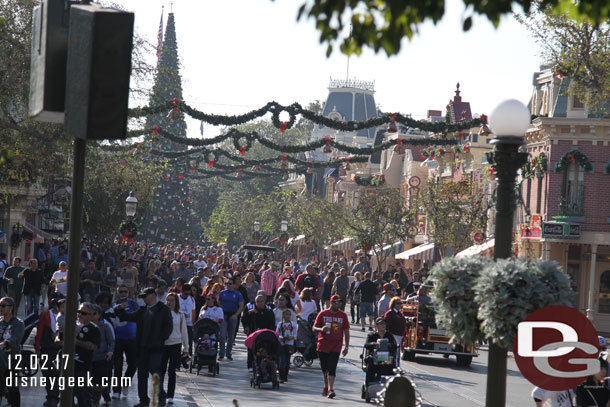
(155, 130)
(180, 176)
(210, 163)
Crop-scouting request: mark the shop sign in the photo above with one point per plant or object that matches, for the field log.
(533, 231)
(560, 230)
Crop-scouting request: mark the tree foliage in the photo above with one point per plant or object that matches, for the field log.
(380, 218)
(382, 24)
(455, 211)
(577, 49)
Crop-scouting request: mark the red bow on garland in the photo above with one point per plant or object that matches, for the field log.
(283, 127)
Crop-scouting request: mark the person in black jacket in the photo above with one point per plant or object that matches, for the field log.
(153, 326)
(594, 391)
(260, 317)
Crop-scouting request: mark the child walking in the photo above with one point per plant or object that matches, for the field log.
(287, 329)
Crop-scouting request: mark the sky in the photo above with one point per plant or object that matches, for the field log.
(237, 55)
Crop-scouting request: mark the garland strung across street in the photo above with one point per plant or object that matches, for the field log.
(296, 109)
(235, 165)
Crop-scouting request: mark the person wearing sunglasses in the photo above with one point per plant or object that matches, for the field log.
(11, 332)
(332, 326)
(88, 339)
(396, 322)
(124, 344)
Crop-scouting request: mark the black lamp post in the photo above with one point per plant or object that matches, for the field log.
(509, 121)
(257, 229)
(283, 236)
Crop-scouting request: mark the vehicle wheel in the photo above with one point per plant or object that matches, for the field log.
(363, 392)
(308, 362)
(463, 360)
(409, 356)
(297, 361)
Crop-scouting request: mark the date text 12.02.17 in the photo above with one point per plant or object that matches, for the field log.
(43, 362)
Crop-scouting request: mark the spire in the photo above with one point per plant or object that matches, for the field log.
(457, 98)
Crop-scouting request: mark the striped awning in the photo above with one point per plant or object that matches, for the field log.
(484, 249)
(349, 243)
(421, 252)
(297, 241)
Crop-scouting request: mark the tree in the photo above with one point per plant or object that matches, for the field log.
(455, 212)
(382, 24)
(320, 221)
(170, 216)
(109, 178)
(575, 49)
(380, 218)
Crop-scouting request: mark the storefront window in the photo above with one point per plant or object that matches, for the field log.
(604, 292)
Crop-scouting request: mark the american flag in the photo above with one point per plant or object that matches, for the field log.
(160, 36)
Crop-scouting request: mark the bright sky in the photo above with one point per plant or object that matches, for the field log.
(238, 55)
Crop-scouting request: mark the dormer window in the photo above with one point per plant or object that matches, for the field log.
(577, 103)
(334, 115)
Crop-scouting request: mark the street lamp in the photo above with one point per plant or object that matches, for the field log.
(130, 205)
(257, 226)
(509, 121)
(283, 236)
(284, 226)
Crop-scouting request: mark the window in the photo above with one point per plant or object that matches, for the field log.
(604, 292)
(573, 190)
(577, 103)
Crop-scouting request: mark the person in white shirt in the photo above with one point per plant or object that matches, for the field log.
(172, 348)
(199, 263)
(548, 398)
(60, 279)
(287, 330)
(187, 307)
(306, 306)
(211, 310)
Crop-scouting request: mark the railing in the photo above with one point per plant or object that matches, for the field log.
(351, 83)
(572, 202)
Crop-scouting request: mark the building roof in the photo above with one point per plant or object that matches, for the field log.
(459, 110)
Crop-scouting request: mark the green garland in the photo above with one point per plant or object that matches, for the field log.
(296, 109)
(435, 152)
(537, 167)
(574, 156)
(365, 181)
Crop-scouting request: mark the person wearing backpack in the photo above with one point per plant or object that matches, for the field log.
(309, 279)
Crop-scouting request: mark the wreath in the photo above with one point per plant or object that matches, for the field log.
(241, 147)
(571, 157)
(537, 167)
(129, 231)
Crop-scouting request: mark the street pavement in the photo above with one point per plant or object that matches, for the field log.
(440, 381)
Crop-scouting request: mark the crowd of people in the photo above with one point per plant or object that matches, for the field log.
(138, 305)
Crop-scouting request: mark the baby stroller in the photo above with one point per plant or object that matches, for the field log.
(306, 342)
(378, 360)
(266, 347)
(29, 365)
(206, 333)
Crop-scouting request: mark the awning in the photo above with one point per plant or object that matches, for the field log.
(391, 249)
(332, 172)
(421, 252)
(39, 232)
(297, 241)
(349, 243)
(484, 249)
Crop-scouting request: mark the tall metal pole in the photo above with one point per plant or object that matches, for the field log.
(507, 160)
(76, 216)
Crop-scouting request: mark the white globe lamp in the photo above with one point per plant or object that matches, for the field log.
(510, 118)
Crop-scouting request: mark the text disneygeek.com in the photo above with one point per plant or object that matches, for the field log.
(61, 383)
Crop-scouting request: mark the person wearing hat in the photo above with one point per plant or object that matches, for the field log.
(384, 302)
(154, 325)
(332, 326)
(269, 279)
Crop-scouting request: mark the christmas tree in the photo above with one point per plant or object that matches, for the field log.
(169, 217)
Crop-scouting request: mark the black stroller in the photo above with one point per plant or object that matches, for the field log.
(205, 334)
(267, 354)
(29, 364)
(306, 342)
(378, 359)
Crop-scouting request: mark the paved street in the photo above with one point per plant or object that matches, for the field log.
(440, 381)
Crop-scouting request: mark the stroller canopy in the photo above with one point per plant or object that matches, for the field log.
(205, 325)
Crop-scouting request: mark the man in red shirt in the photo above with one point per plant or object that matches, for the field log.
(332, 326)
